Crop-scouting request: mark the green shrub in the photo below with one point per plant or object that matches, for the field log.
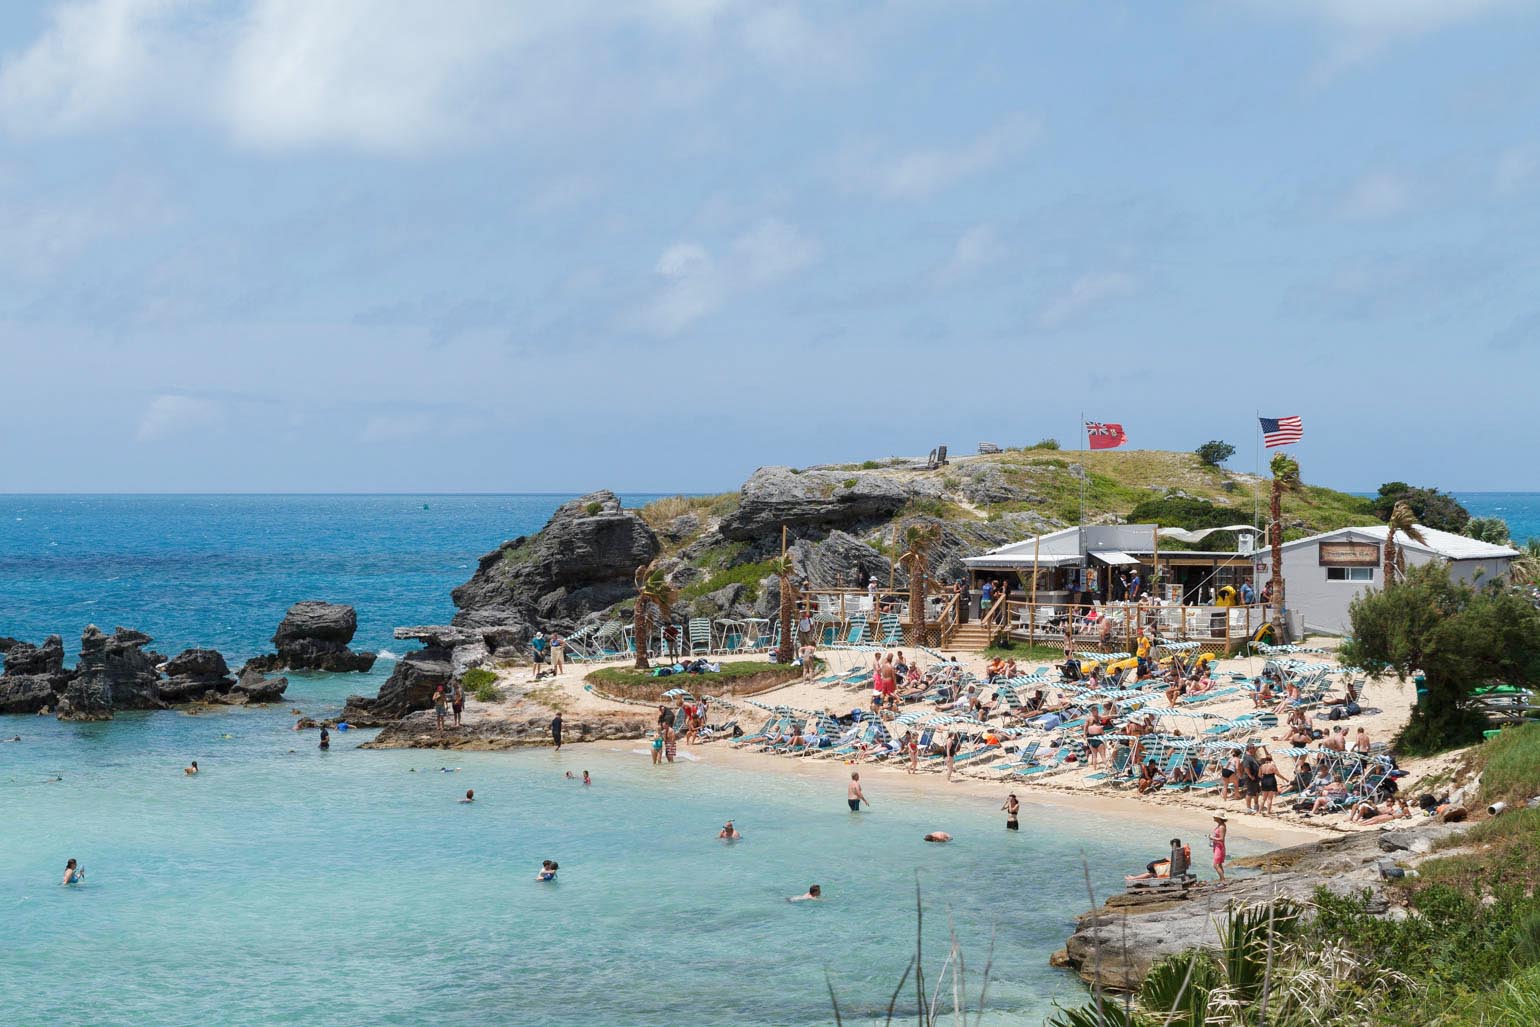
(869, 465)
(1045, 444)
(1511, 764)
(1214, 452)
(594, 508)
(481, 683)
(848, 483)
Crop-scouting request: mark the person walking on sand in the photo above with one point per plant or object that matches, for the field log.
(913, 745)
(457, 701)
(556, 730)
(853, 794)
(953, 744)
(440, 700)
(1217, 840)
(808, 655)
(1012, 807)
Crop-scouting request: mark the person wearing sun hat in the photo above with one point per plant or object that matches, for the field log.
(1217, 840)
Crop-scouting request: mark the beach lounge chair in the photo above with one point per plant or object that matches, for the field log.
(700, 635)
(892, 630)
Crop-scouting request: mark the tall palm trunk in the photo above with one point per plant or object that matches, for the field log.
(784, 653)
(641, 632)
(1390, 556)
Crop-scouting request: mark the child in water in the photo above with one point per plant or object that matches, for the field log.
(547, 871)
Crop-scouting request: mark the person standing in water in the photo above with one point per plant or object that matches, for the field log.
(670, 743)
(1012, 807)
(191, 770)
(470, 795)
(74, 873)
(657, 748)
(326, 738)
(556, 730)
(853, 793)
(1217, 840)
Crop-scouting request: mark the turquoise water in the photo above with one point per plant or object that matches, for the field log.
(283, 884)
(1520, 509)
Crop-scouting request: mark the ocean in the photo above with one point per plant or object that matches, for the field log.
(349, 887)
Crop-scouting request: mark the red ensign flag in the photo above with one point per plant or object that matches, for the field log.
(1105, 436)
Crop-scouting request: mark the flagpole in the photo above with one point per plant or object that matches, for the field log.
(1256, 493)
(1085, 472)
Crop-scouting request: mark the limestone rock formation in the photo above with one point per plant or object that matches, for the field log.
(583, 560)
(192, 672)
(409, 688)
(256, 687)
(818, 501)
(314, 635)
(114, 672)
(34, 677)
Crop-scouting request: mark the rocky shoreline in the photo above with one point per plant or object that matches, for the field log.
(118, 672)
(1115, 945)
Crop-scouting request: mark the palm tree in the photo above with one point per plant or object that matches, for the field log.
(652, 592)
(1526, 569)
(1285, 479)
(1403, 520)
(919, 538)
(781, 567)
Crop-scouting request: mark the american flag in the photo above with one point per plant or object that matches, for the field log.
(1281, 431)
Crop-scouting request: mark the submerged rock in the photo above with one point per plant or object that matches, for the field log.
(314, 635)
(255, 687)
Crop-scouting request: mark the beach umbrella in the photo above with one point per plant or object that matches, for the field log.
(1223, 747)
(1292, 750)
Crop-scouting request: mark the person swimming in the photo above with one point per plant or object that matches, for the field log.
(813, 894)
(729, 832)
(586, 779)
(470, 795)
(548, 870)
(191, 769)
(938, 836)
(74, 873)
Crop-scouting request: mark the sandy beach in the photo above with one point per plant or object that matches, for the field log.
(1385, 704)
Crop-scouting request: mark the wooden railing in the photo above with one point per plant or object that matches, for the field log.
(1215, 628)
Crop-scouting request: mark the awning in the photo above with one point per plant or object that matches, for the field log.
(1113, 557)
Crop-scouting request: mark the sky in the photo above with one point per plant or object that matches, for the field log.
(650, 245)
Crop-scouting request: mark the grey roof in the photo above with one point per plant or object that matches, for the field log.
(1439, 543)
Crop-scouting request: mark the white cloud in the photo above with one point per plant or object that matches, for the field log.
(771, 250)
(976, 248)
(396, 76)
(1356, 30)
(1084, 293)
(920, 172)
(172, 414)
(1376, 197)
(695, 284)
(1516, 169)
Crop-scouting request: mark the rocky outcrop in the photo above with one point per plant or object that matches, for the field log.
(253, 686)
(314, 636)
(114, 672)
(34, 677)
(1116, 945)
(527, 725)
(408, 689)
(583, 560)
(815, 502)
(192, 673)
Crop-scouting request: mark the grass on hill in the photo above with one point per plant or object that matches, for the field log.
(1510, 763)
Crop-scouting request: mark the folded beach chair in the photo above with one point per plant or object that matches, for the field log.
(892, 630)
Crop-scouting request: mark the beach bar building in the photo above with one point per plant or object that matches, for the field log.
(1322, 574)
(1075, 575)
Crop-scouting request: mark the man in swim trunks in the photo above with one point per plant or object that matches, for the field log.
(938, 836)
(853, 793)
(457, 701)
(814, 893)
(729, 832)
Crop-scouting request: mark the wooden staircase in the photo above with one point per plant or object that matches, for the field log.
(973, 636)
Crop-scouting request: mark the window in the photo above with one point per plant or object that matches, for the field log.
(1350, 574)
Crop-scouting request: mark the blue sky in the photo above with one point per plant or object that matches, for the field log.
(651, 245)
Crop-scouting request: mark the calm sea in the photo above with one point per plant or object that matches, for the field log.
(285, 885)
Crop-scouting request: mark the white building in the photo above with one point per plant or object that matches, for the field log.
(1322, 574)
